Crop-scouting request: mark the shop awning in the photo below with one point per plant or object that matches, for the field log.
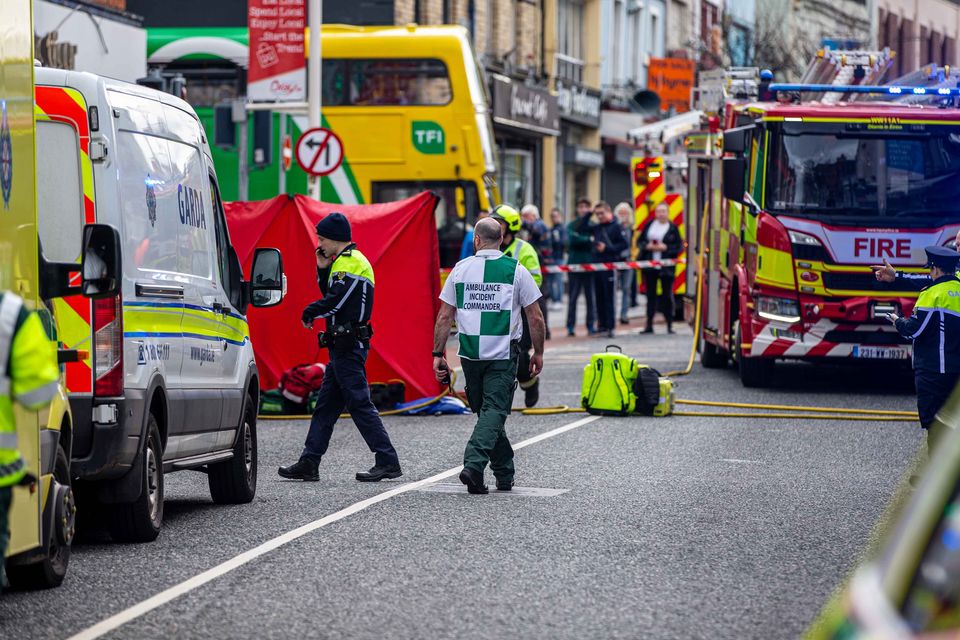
(169, 44)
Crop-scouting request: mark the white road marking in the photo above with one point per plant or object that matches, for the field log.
(132, 613)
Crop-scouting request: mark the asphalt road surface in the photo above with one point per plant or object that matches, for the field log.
(679, 527)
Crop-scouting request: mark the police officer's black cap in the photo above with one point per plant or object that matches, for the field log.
(334, 226)
(942, 257)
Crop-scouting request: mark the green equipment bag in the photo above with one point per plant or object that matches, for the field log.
(608, 384)
(654, 392)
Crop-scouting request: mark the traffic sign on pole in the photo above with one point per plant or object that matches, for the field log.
(319, 151)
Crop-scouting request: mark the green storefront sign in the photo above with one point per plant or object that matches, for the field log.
(428, 137)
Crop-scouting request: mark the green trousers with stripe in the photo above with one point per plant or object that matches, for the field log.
(490, 386)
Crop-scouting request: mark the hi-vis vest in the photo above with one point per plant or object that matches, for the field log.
(526, 255)
(28, 374)
(484, 288)
(934, 327)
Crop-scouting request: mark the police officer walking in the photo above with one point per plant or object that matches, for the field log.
(524, 253)
(934, 328)
(488, 293)
(28, 375)
(346, 281)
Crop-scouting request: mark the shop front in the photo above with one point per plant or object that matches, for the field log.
(525, 118)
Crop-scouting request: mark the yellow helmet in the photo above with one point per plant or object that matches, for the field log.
(508, 215)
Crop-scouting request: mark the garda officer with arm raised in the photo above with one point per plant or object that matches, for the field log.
(934, 328)
(346, 281)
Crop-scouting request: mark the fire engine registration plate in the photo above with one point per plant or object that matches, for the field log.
(883, 353)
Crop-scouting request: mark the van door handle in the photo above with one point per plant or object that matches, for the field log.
(217, 308)
(159, 291)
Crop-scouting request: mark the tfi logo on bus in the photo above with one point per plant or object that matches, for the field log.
(428, 137)
(881, 247)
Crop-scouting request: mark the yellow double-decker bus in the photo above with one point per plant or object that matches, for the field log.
(409, 103)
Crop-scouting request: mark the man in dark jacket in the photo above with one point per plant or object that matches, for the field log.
(609, 245)
(660, 240)
(580, 238)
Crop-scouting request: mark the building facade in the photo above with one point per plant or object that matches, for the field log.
(84, 36)
(920, 31)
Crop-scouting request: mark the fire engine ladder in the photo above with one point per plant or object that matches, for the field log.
(719, 86)
(845, 68)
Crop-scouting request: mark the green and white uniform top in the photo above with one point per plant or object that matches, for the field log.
(490, 293)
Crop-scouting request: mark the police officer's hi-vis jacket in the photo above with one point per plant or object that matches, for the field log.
(524, 253)
(28, 375)
(347, 287)
(934, 327)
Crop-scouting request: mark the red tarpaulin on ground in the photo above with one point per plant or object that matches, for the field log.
(400, 241)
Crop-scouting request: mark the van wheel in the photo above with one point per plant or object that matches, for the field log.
(140, 520)
(50, 571)
(754, 372)
(234, 481)
(711, 356)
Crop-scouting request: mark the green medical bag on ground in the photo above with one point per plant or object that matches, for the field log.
(607, 388)
(615, 385)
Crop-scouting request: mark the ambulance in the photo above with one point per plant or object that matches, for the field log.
(169, 380)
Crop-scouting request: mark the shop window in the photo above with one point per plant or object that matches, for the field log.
(516, 177)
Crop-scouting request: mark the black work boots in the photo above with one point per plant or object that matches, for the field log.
(378, 473)
(473, 480)
(305, 469)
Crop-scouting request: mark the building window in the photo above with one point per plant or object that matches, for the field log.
(570, 40)
(516, 176)
(618, 49)
(654, 36)
(635, 41)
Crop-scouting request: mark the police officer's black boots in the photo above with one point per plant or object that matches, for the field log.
(473, 480)
(378, 473)
(305, 469)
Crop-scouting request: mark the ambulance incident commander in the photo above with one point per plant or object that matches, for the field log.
(487, 293)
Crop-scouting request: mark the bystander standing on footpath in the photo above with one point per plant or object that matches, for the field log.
(580, 244)
(558, 254)
(487, 294)
(660, 240)
(609, 245)
(627, 278)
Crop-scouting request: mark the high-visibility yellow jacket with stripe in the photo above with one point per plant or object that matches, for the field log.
(934, 327)
(524, 253)
(347, 287)
(28, 375)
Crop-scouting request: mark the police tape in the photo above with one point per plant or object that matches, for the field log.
(602, 266)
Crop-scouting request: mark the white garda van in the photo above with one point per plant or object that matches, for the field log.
(168, 381)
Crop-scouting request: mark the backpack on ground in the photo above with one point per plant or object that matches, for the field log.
(654, 392)
(614, 384)
(608, 384)
(297, 383)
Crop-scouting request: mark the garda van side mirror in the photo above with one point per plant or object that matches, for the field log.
(267, 284)
(734, 179)
(101, 266)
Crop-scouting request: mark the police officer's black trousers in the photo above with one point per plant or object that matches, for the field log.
(933, 389)
(345, 387)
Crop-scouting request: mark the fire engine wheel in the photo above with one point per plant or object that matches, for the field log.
(140, 520)
(754, 372)
(235, 481)
(50, 571)
(712, 356)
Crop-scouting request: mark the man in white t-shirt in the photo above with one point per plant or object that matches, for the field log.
(486, 293)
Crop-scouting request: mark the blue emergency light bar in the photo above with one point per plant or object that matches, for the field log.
(866, 88)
